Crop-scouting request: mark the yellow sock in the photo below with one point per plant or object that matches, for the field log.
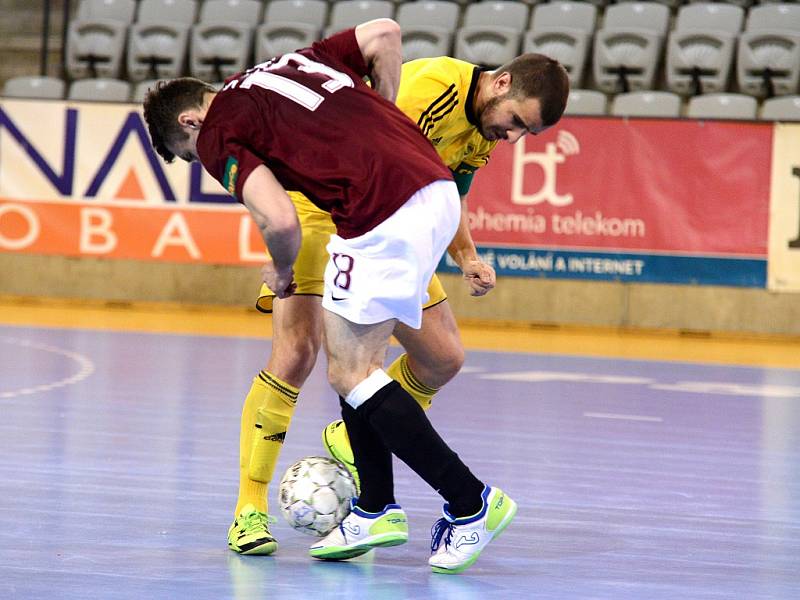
(266, 415)
(401, 373)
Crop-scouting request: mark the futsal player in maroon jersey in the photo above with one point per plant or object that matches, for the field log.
(306, 121)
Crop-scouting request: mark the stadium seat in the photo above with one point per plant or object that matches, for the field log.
(600, 4)
(113, 10)
(742, 3)
(348, 13)
(222, 40)
(313, 12)
(722, 106)
(768, 62)
(628, 47)
(646, 104)
(140, 89)
(48, 88)
(782, 108)
(700, 47)
(669, 3)
(563, 30)
(427, 27)
(491, 32)
(586, 102)
(100, 90)
(289, 25)
(96, 38)
(158, 41)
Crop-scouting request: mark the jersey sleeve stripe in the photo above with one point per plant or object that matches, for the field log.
(426, 123)
(431, 121)
(432, 106)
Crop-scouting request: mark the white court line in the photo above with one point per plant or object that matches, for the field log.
(595, 415)
(85, 368)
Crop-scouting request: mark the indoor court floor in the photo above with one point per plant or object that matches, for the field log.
(645, 466)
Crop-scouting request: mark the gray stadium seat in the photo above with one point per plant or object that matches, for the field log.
(158, 41)
(586, 102)
(289, 25)
(115, 10)
(669, 3)
(743, 3)
(96, 38)
(628, 47)
(600, 4)
(646, 104)
(141, 88)
(221, 42)
(782, 108)
(49, 88)
(314, 12)
(563, 30)
(349, 13)
(700, 47)
(427, 27)
(100, 90)
(768, 62)
(722, 106)
(491, 32)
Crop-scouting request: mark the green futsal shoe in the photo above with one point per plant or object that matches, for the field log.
(337, 443)
(250, 533)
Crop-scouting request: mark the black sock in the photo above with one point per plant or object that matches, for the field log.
(406, 431)
(373, 461)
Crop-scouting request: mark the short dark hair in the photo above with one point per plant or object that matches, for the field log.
(539, 76)
(164, 103)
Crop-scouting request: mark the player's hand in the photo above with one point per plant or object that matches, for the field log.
(280, 282)
(480, 277)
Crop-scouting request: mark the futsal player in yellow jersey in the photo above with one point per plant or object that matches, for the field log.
(464, 111)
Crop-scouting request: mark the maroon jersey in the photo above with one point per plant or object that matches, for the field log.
(310, 118)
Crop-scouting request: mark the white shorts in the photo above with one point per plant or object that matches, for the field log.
(384, 273)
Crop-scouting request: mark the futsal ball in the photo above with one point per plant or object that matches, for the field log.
(315, 494)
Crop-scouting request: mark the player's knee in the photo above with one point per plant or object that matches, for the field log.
(437, 371)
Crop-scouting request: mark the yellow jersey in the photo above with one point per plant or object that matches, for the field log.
(437, 94)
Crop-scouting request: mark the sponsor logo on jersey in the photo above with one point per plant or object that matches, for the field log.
(231, 173)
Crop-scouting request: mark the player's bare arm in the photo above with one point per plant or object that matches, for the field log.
(479, 275)
(380, 44)
(274, 215)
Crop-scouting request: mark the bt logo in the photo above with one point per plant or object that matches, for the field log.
(554, 154)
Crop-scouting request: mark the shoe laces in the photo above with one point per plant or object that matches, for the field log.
(441, 529)
(256, 521)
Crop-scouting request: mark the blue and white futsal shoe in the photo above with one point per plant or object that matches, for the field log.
(361, 531)
(457, 542)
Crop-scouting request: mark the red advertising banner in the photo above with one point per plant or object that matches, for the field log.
(644, 185)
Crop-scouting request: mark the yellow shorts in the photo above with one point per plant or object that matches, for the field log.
(309, 267)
